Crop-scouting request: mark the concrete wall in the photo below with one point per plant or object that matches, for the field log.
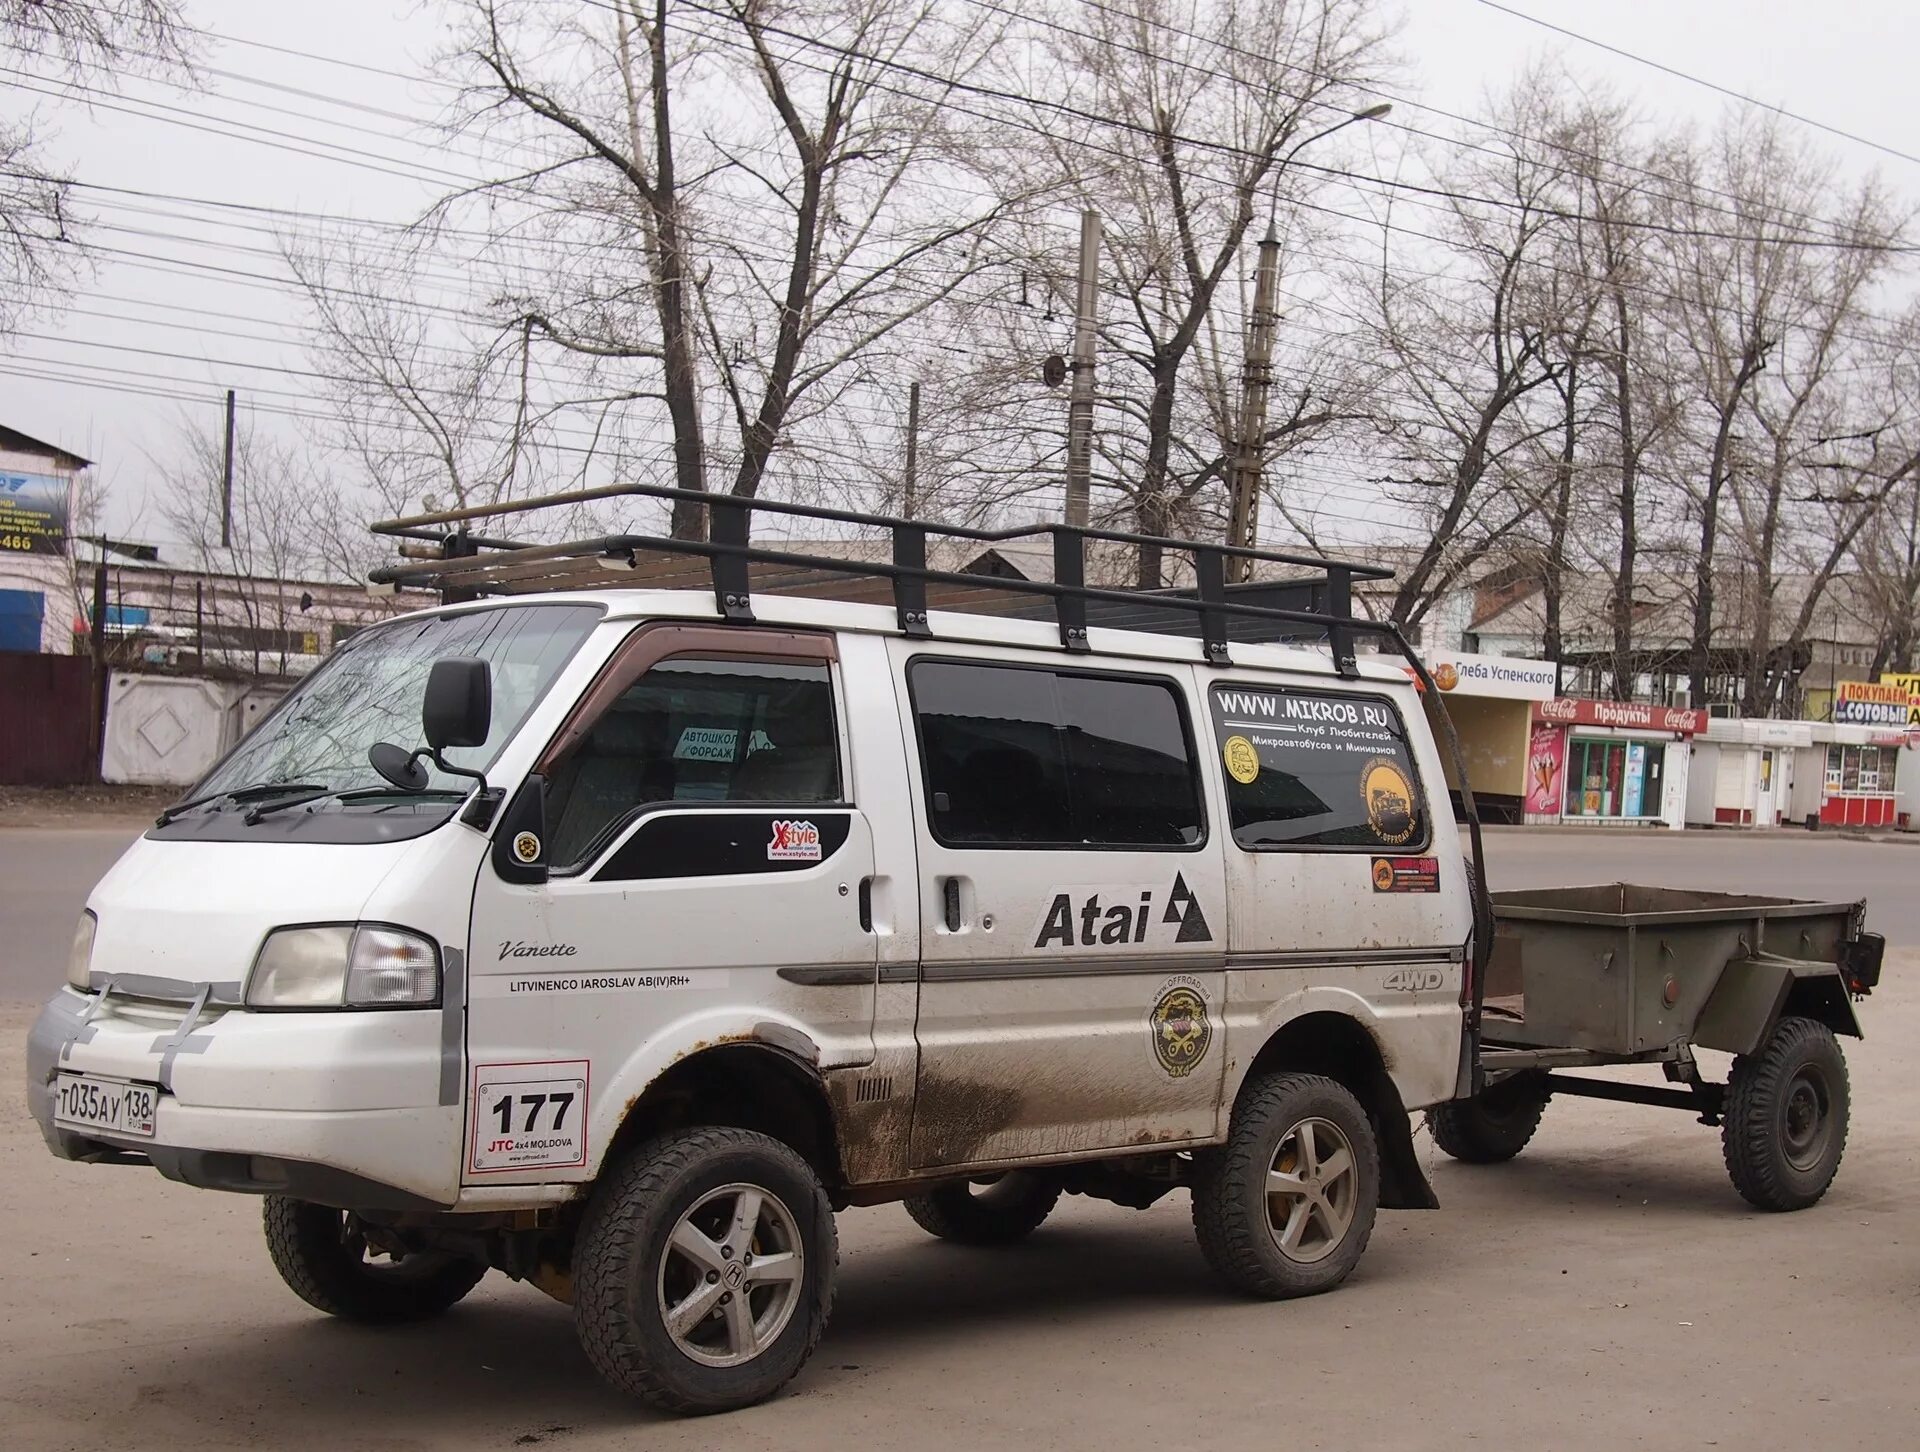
(168, 730)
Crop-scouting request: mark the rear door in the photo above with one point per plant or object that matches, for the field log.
(1073, 917)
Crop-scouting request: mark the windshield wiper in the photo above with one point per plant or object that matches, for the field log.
(239, 794)
(356, 794)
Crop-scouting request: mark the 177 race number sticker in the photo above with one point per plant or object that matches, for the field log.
(529, 1116)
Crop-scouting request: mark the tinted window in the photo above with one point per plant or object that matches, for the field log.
(1039, 758)
(1317, 768)
(698, 731)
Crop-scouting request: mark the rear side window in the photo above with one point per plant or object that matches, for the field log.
(1018, 757)
(1308, 768)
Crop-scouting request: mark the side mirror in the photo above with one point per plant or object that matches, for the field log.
(458, 707)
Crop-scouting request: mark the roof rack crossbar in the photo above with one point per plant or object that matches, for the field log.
(464, 572)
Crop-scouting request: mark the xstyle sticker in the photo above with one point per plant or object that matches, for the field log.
(794, 841)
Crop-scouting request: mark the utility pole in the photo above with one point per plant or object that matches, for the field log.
(1080, 404)
(912, 495)
(226, 483)
(1256, 381)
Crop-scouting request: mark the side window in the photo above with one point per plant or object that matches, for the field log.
(694, 730)
(1019, 757)
(1309, 768)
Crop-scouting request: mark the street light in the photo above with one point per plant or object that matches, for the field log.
(1257, 368)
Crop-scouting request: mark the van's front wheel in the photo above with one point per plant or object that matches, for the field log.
(326, 1259)
(1286, 1206)
(703, 1273)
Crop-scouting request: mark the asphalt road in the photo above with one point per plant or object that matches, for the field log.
(1608, 1289)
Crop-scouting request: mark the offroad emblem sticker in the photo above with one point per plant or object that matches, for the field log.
(1406, 874)
(529, 1116)
(1242, 758)
(794, 841)
(1178, 1026)
(1089, 917)
(1389, 800)
(526, 847)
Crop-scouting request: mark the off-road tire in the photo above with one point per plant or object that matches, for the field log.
(1230, 1206)
(1755, 1135)
(1007, 1208)
(312, 1249)
(616, 1265)
(1493, 1126)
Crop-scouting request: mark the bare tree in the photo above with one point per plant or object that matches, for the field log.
(68, 42)
(727, 206)
(1183, 147)
(1470, 346)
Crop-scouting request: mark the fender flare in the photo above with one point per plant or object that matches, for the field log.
(1753, 994)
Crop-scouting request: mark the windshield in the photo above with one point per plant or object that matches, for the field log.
(371, 688)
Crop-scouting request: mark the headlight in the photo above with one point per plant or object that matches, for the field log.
(344, 966)
(80, 955)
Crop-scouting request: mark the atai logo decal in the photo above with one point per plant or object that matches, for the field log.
(1092, 917)
(1179, 1027)
(794, 841)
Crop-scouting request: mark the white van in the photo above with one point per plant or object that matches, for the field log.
(681, 932)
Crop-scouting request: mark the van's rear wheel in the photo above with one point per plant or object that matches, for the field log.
(1286, 1206)
(994, 1210)
(328, 1260)
(1495, 1124)
(704, 1269)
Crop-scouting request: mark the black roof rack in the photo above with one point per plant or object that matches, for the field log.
(1314, 602)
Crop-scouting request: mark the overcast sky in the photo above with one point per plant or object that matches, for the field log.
(183, 303)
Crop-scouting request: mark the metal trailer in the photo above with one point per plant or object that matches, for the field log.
(1619, 974)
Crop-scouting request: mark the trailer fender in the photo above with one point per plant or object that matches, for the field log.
(1755, 992)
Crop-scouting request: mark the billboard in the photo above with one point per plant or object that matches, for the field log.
(1574, 711)
(1871, 703)
(33, 513)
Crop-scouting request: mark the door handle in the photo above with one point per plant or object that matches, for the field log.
(950, 891)
(866, 904)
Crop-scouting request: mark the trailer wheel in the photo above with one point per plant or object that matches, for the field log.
(324, 1257)
(1784, 1127)
(995, 1210)
(1286, 1206)
(704, 1270)
(1494, 1125)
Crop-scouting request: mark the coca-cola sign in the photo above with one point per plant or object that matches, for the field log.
(1574, 711)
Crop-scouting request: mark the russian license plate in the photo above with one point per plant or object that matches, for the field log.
(108, 1104)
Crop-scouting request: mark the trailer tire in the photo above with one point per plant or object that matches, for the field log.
(635, 1265)
(996, 1210)
(1493, 1126)
(322, 1255)
(1784, 1126)
(1307, 1130)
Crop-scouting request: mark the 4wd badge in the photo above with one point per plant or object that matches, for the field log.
(1179, 1027)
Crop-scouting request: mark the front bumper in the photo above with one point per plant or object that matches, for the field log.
(346, 1109)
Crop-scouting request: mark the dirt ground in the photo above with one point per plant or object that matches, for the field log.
(1606, 1290)
(100, 805)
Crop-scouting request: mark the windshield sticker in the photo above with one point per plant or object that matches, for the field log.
(705, 743)
(1389, 798)
(1243, 762)
(1406, 874)
(1108, 916)
(1178, 1026)
(529, 1116)
(794, 841)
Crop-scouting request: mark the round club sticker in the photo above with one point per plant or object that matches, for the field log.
(526, 847)
(1243, 761)
(1389, 799)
